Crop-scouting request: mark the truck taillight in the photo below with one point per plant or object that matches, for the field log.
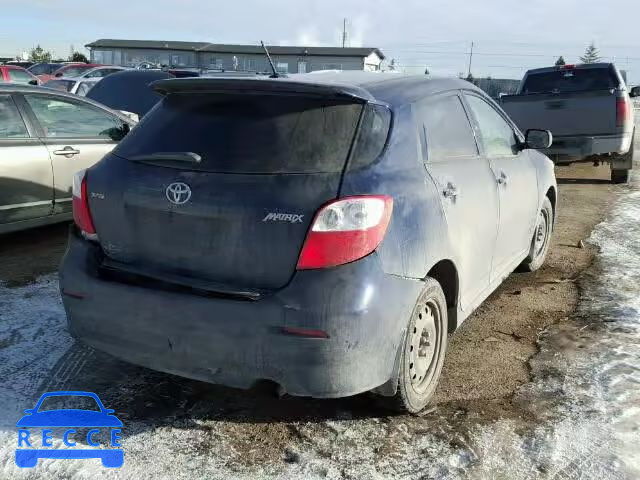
(346, 230)
(623, 112)
(81, 213)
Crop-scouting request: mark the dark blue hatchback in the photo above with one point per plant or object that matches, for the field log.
(324, 232)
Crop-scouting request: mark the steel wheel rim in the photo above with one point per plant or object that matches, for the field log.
(424, 345)
(540, 234)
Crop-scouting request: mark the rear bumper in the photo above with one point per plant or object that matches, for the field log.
(579, 147)
(236, 342)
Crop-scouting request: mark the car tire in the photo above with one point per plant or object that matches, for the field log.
(541, 238)
(423, 352)
(620, 176)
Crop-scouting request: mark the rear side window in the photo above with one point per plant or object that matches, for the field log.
(249, 133)
(63, 85)
(11, 124)
(570, 80)
(62, 117)
(75, 71)
(372, 135)
(447, 129)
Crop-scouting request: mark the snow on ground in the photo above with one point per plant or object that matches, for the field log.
(581, 412)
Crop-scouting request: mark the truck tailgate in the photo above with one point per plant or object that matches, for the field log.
(569, 114)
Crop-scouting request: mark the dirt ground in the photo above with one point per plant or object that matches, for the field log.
(486, 363)
(487, 356)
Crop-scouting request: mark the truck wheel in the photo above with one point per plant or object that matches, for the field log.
(541, 239)
(620, 176)
(423, 352)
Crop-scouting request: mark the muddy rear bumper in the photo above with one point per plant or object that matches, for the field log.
(239, 342)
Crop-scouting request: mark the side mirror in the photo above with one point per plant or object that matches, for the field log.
(538, 139)
(133, 116)
(58, 74)
(33, 82)
(635, 92)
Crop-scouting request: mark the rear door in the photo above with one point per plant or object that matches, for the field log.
(468, 189)
(220, 189)
(26, 177)
(516, 178)
(76, 134)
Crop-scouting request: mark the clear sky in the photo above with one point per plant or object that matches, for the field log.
(510, 35)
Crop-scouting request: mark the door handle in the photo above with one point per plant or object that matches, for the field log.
(451, 191)
(67, 152)
(502, 179)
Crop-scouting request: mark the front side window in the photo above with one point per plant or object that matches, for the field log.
(62, 118)
(19, 76)
(447, 129)
(84, 88)
(40, 69)
(11, 123)
(96, 73)
(497, 135)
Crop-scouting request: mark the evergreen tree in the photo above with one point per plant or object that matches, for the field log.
(39, 55)
(560, 62)
(78, 57)
(591, 54)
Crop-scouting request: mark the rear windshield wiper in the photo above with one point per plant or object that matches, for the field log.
(189, 157)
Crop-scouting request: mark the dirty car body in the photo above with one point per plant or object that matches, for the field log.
(199, 263)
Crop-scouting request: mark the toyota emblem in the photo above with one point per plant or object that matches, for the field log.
(178, 193)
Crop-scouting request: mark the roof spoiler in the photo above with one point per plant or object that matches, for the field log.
(258, 85)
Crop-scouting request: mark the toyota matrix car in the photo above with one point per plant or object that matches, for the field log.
(322, 232)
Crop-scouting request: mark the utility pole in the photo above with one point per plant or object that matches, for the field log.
(344, 32)
(470, 59)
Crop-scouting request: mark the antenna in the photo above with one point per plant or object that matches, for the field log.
(344, 32)
(275, 73)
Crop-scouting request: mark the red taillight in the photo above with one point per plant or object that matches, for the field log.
(304, 332)
(81, 213)
(623, 112)
(346, 230)
(567, 67)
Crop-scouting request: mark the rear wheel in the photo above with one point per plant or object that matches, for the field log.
(541, 238)
(620, 176)
(423, 351)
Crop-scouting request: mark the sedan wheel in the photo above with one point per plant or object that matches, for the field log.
(541, 238)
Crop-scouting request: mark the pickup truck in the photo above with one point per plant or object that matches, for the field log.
(588, 109)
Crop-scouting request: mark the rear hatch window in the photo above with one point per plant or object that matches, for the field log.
(267, 163)
(570, 80)
(249, 133)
